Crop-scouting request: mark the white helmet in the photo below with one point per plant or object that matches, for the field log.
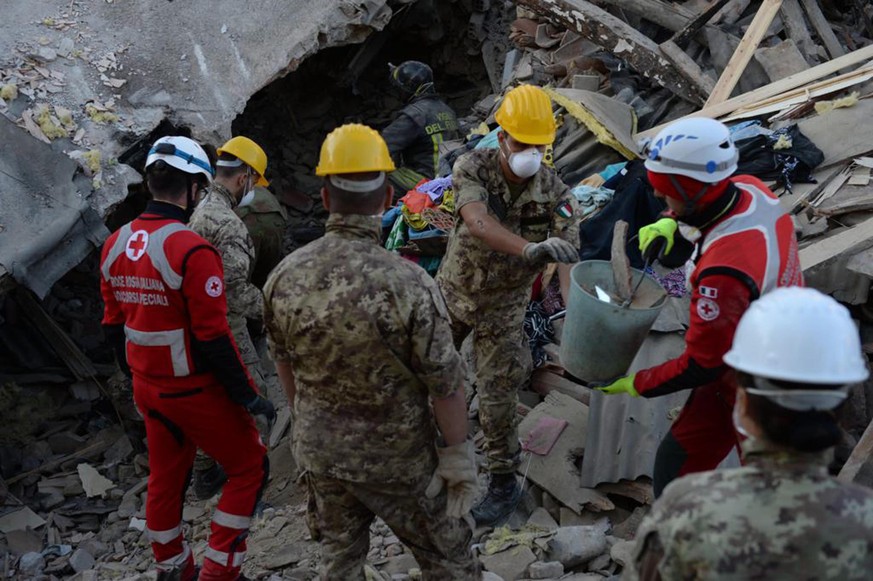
(798, 335)
(183, 154)
(698, 147)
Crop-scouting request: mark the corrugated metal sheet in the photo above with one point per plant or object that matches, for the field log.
(624, 432)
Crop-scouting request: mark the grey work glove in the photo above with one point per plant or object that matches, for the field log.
(551, 250)
(456, 472)
(262, 409)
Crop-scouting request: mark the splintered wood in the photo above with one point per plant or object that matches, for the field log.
(621, 268)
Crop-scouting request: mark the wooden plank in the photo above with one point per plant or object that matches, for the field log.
(779, 87)
(859, 459)
(722, 47)
(795, 24)
(621, 270)
(691, 29)
(545, 382)
(744, 52)
(619, 38)
(687, 67)
(850, 240)
(823, 28)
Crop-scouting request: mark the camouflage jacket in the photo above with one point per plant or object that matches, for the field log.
(264, 218)
(367, 336)
(779, 517)
(473, 275)
(213, 218)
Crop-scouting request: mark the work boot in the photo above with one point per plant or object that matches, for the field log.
(187, 572)
(207, 483)
(499, 502)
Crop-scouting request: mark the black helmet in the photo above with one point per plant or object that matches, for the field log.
(414, 78)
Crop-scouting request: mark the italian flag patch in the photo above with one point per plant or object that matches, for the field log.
(565, 210)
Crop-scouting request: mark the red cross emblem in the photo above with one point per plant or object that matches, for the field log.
(707, 309)
(136, 245)
(214, 286)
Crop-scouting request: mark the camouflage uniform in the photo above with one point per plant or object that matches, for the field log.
(486, 291)
(368, 338)
(264, 218)
(779, 517)
(214, 220)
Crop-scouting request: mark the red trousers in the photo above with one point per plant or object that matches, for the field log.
(177, 423)
(701, 437)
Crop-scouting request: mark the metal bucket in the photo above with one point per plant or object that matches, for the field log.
(600, 339)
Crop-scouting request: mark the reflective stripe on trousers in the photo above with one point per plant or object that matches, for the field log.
(177, 561)
(174, 339)
(231, 521)
(164, 537)
(224, 559)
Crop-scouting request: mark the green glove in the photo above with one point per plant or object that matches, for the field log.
(622, 385)
(663, 228)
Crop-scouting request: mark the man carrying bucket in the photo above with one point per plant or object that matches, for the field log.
(746, 248)
(514, 216)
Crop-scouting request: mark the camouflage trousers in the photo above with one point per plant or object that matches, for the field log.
(340, 512)
(502, 363)
(252, 360)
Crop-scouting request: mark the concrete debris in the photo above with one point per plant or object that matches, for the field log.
(19, 520)
(547, 570)
(81, 560)
(93, 482)
(510, 564)
(573, 546)
(31, 564)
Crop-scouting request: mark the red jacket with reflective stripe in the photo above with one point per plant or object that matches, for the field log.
(746, 253)
(165, 284)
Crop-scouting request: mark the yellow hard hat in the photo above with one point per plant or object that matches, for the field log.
(526, 114)
(353, 148)
(250, 153)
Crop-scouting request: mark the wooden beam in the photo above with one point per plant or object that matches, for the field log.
(795, 24)
(777, 89)
(861, 455)
(691, 29)
(744, 52)
(619, 38)
(621, 269)
(687, 67)
(823, 28)
(852, 239)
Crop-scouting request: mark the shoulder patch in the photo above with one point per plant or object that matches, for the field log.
(214, 286)
(564, 210)
(707, 309)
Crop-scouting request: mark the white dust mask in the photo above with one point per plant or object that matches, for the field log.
(525, 164)
(247, 198)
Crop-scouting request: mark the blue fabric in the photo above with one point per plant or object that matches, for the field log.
(489, 141)
(389, 217)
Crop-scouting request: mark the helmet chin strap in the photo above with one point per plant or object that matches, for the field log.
(690, 201)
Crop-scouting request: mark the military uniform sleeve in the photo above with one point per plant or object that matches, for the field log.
(243, 297)
(399, 135)
(467, 183)
(435, 360)
(279, 351)
(566, 213)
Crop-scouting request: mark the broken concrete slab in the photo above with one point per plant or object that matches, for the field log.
(836, 134)
(781, 60)
(622, 552)
(557, 473)
(541, 518)
(546, 570)
(20, 519)
(81, 560)
(94, 483)
(23, 541)
(510, 564)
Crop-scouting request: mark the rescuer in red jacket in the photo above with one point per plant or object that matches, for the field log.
(746, 248)
(166, 315)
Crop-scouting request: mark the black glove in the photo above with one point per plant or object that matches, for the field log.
(261, 406)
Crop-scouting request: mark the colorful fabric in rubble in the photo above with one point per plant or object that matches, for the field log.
(408, 227)
(539, 332)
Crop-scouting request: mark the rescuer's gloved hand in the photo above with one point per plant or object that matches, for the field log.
(261, 407)
(551, 250)
(457, 472)
(621, 385)
(664, 228)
